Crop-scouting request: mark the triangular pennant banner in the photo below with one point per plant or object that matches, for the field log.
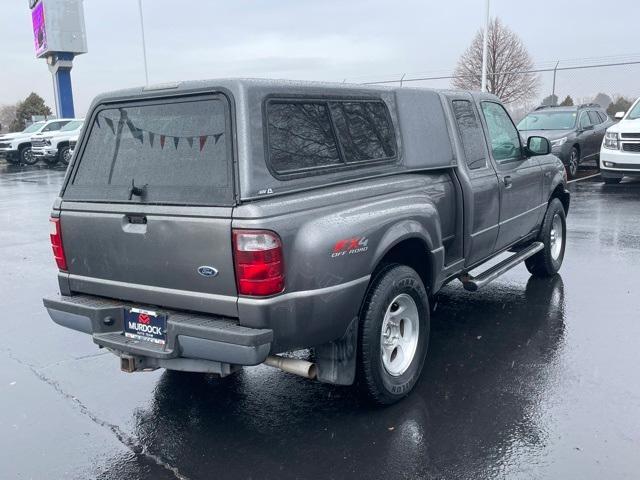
(151, 137)
(110, 123)
(203, 140)
(161, 141)
(176, 140)
(217, 137)
(136, 132)
(190, 141)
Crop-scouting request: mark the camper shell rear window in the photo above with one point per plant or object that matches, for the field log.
(176, 151)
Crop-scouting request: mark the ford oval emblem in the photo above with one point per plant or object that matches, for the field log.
(207, 271)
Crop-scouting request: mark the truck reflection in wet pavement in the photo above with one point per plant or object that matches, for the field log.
(490, 360)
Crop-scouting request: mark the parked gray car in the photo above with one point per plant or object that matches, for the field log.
(575, 133)
(209, 225)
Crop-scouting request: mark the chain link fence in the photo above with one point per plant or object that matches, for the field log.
(599, 80)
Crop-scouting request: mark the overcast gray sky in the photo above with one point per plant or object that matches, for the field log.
(326, 40)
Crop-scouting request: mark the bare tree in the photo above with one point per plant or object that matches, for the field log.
(507, 59)
(7, 116)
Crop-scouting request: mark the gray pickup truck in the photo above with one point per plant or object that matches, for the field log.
(206, 226)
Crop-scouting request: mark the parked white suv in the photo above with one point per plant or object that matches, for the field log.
(620, 151)
(16, 147)
(54, 146)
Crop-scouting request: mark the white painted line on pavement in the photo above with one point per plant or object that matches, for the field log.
(583, 178)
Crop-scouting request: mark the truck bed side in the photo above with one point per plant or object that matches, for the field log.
(334, 239)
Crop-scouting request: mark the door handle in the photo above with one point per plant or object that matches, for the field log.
(507, 181)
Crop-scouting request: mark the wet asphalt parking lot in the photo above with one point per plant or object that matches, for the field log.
(525, 379)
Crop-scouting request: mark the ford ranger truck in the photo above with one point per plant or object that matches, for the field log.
(206, 226)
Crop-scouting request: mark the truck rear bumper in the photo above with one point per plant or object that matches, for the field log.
(189, 336)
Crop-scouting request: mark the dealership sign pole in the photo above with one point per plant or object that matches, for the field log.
(59, 35)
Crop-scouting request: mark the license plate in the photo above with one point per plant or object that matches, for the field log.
(145, 325)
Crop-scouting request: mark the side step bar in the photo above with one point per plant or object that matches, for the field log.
(473, 284)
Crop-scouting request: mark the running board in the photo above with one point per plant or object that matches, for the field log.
(473, 284)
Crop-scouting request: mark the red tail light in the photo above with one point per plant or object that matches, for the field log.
(258, 261)
(56, 244)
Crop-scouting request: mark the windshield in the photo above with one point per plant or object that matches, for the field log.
(548, 121)
(178, 152)
(33, 128)
(74, 125)
(634, 113)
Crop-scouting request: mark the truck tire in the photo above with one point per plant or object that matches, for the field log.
(553, 234)
(573, 163)
(394, 334)
(26, 157)
(64, 154)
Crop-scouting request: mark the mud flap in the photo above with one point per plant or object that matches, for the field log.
(336, 361)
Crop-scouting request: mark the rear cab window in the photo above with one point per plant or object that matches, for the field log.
(178, 150)
(316, 136)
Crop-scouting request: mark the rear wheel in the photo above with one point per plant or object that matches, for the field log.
(553, 234)
(394, 334)
(574, 162)
(26, 156)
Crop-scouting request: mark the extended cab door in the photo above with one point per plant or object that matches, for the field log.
(519, 176)
(482, 196)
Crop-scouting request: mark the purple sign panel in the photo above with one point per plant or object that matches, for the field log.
(39, 31)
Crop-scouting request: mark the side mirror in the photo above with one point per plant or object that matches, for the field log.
(618, 115)
(538, 146)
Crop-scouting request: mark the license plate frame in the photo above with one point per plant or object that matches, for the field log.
(145, 325)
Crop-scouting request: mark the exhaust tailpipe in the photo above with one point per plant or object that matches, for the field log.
(298, 367)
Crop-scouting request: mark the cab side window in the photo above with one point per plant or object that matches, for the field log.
(53, 126)
(470, 134)
(504, 136)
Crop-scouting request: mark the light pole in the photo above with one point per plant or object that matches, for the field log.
(144, 46)
(484, 47)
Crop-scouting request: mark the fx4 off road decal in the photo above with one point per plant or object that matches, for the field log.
(350, 246)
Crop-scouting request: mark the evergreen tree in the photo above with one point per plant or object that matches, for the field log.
(567, 102)
(30, 106)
